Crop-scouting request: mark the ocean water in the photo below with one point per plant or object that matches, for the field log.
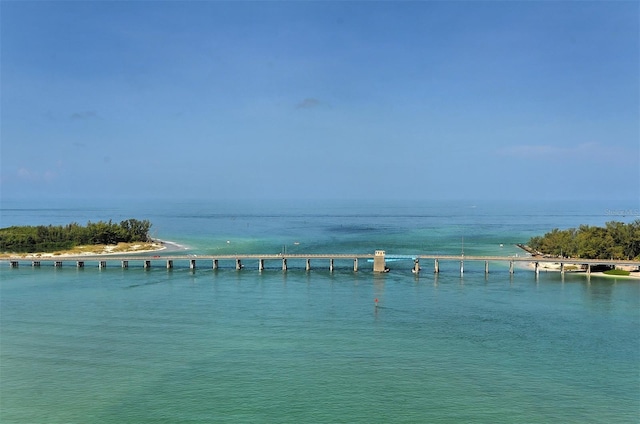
(128, 345)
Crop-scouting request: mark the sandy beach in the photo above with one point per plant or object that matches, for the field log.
(575, 269)
(105, 250)
(555, 267)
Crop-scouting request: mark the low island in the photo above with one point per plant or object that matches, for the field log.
(616, 240)
(95, 238)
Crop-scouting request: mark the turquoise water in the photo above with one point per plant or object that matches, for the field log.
(114, 345)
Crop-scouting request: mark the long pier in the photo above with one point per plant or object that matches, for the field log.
(379, 259)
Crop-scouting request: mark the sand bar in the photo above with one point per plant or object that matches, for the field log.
(102, 250)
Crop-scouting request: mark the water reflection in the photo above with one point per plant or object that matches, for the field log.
(598, 293)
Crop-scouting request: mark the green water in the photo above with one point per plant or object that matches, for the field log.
(158, 346)
(155, 346)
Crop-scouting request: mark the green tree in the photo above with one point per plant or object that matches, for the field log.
(21, 239)
(614, 241)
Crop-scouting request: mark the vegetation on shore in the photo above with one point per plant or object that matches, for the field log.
(616, 240)
(29, 239)
(617, 272)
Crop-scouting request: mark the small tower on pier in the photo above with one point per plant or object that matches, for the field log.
(379, 264)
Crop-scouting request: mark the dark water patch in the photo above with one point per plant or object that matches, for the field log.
(151, 283)
(354, 229)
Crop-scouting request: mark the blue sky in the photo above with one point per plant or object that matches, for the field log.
(402, 100)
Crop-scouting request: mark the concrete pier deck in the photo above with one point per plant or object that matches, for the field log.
(415, 263)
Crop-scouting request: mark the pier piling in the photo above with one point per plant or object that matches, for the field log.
(378, 260)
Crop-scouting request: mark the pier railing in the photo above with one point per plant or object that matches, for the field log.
(379, 259)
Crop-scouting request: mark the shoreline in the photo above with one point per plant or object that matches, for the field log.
(634, 275)
(107, 251)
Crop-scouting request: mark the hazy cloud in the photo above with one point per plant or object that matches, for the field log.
(25, 174)
(49, 176)
(308, 103)
(84, 115)
(35, 176)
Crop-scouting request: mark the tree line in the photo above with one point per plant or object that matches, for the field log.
(616, 240)
(41, 238)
